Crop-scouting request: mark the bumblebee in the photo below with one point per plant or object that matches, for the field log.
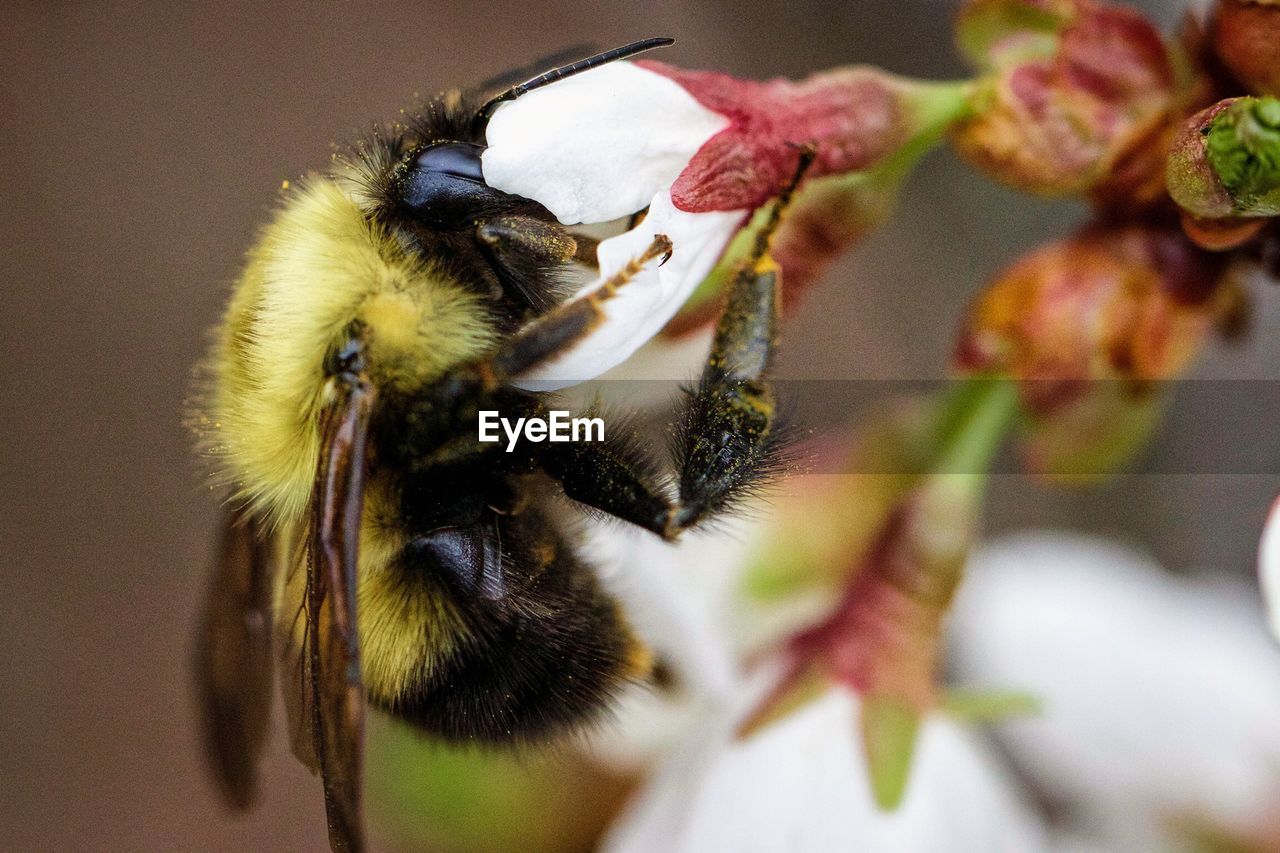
(386, 554)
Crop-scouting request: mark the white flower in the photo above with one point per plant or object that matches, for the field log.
(678, 598)
(800, 785)
(598, 145)
(1269, 567)
(601, 145)
(1161, 696)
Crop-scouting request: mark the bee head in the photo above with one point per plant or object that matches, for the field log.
(441, 183)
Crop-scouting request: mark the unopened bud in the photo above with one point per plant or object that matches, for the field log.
(1073, 87)
(1089, 326)
(1246, 37)
(1225, 163)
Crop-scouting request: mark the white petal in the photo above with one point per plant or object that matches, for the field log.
(649, 379)
(800, 785)
(1162, 697)
(645, 304)
(676, 597)
(1269, 567)
(599, 145)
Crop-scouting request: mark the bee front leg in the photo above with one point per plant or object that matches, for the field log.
(729, 438)
(559, 330)
(516, 240)
(528, 255)
(616, 475)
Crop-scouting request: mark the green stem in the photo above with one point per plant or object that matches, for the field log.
(937, 106)
(974, 417)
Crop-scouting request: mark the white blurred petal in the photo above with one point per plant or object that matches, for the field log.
(1067, 842)
(652, 298)
(1269, 567)
(678, 595)
(800, 785)
(598, 145)
(1161, 697)
(677, 598)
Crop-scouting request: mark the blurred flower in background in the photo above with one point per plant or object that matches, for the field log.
(1068, 88)
(692, 779)
(1094, 327)
(1160, 726)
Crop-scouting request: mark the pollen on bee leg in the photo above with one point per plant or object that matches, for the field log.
(661, 245)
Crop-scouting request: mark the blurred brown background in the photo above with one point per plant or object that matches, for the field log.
(142, 143)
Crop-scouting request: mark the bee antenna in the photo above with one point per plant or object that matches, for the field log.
(548, 77)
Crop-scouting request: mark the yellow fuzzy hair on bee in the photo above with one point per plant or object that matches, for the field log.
(406, 630)
(320, 264)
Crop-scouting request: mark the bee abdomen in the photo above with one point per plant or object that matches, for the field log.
(544, 656)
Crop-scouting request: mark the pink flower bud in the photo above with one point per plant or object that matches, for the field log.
(1074, 86)
(1088, 326)
(855, 117)
(867, 128)
(1246, 37)
(1128, 304)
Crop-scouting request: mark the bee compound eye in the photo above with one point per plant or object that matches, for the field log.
(459, 159)
(445, 185)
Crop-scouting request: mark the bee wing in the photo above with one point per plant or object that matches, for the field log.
(292, 632)
(233, 657)
(334, 690)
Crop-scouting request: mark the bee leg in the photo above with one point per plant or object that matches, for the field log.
(527, 253)
(729, 441)
(585, 251)
(558, 330)
(333, 685)
(616, 476)
(521, 237)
